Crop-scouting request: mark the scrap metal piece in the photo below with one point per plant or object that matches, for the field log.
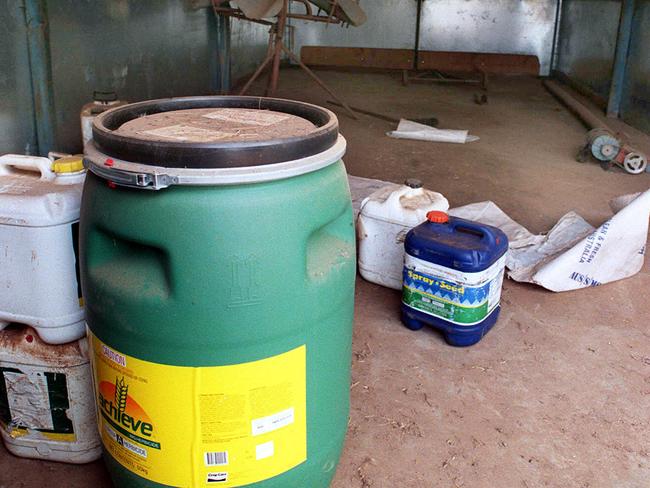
(349, 10)
(604, 146)
(635, 163)
(260, 9)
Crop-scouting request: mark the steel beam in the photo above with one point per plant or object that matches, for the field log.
(620, 59)
(40, 63)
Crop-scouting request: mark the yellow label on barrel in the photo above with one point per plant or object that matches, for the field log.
(219, 426)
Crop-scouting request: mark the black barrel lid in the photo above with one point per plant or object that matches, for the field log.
(299, 130)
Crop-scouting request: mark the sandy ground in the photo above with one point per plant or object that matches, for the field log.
(558, 393)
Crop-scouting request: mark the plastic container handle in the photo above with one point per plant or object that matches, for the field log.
(28, 163)
(474, 228)
(403, 190)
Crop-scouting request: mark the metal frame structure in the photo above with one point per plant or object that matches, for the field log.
(334, 17)
(277, 47)
(435, 76)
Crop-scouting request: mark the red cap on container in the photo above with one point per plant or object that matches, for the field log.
(438, 217)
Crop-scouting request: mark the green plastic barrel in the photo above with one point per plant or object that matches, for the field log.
(218, 268)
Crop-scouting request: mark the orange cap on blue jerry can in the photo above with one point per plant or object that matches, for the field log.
(437, 217)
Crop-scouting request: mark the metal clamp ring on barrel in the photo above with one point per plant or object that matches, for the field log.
(148, 177)
(146, 181)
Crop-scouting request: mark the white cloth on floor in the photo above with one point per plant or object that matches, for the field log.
(573, 254)
(407, 129)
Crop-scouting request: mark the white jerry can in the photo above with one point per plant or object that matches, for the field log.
(102, 101)
(47, 408)
(384, 220)
(39, 225)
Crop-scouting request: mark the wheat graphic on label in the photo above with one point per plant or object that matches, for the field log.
(121, 394)
(125, 416)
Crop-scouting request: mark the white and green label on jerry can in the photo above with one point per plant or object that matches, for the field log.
(460, 298)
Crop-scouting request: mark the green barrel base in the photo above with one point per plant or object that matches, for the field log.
(316, 472)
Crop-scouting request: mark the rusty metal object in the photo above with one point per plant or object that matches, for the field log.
(278, 44)
(347, 11)
(436, 76)
(431, 121)
(260, 9)
(603, 144)
(319, 82)
(588, 118)
(337, 12)
(307, 5)
(275, 49)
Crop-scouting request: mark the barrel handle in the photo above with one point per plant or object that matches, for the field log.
(144, 268)
(331, 246)
(27, 163)
(399, 192)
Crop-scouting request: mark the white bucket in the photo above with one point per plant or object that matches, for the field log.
(39, 215)
(384, 220)
(47, 408)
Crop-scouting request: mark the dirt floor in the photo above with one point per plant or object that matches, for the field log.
(558, 393)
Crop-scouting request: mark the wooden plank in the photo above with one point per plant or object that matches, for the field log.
(512, 64)
(357, 57)
(401, 59)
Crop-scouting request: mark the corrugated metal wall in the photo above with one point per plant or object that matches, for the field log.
(586, 47)
(501, 26)
(391, 24)
(635, 107)
(498, 26)
(17, 133)
(248, 47)
(141, 49)
(587, 42)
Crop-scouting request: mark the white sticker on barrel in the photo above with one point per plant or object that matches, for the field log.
(188, 133)
(250, 117)
(263, 451)
(273, 422)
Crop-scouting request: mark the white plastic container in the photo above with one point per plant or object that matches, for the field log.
(39, 215)
(385, 218)
(102, 101)
(47, 408)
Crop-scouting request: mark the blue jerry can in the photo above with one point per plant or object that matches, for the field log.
(453, 272)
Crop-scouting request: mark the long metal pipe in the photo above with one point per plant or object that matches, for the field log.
(586, 115)
(620, 59)
(556, 33)
(223, 53)
(38, 43)
(416, 47)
